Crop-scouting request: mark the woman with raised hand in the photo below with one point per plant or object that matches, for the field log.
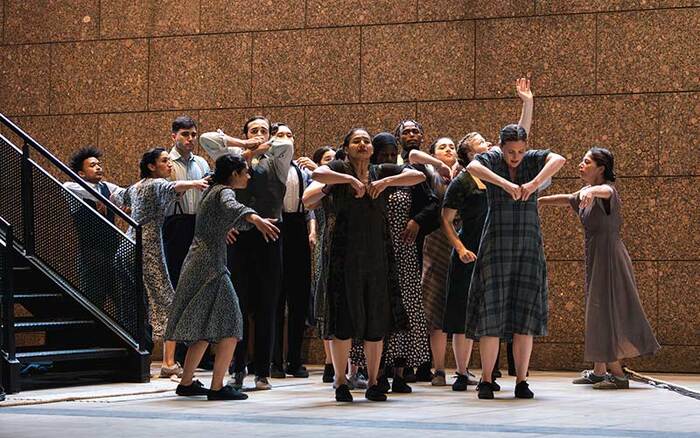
(364, 299)
(508, 291)
(616, 326)
(205, 309)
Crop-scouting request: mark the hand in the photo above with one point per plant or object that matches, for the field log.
(445, 172)
(266, 227)
(307, 163)
(527, 189)
(262, 148)
(465, 256)
(200, 184)
(522, 87)
(376, 188)
(408, 235)
(101, 208)
(358, 187)
(586, 197)
(313, 240)
(232, 236)
(513, 190)
(253, 143)
(456, 170)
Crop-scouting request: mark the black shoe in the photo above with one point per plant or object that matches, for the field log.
(342, 393)
(423, 373)
(195, 388)
(399, 386)
(485, 390)
(328, 373)
(496, 374)
(383, 384)
(2, 394)
(461, 382)
(374, 393)
(226, 393)
(276, 372)
(409, 375)
(496, 387)
(298, 371)
(522, 390)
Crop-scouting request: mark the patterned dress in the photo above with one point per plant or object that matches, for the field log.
(406, 347)
(148, 201)
(205, 305)
(616, 326)
(508, 291)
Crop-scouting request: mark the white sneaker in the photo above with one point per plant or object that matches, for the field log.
(261, 383)
(357, 381)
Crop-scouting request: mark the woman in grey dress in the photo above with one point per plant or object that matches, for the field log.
(616, 325)
(205, 308)
(148, 200)
(508, 291)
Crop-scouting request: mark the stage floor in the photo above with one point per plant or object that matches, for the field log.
(306, 407)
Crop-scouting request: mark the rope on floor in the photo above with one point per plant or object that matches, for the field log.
(662, 384)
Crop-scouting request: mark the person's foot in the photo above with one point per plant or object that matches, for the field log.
(174, 370)
(485, 390)
(496, 374)
(439, 378)
(613, 382)
(496, 387)
(2, 394)
(236, 380)
(522, 390)
(342, 394)
(399, 385)
(374, 393)
(298, 371)
(226, 393)
(462, 381)
(409, 375)
(276, 372)
(588, 377)
(358, 381)
(262, 383)
(328, 373)
(193, 389)
(423, 373)
(383, 384)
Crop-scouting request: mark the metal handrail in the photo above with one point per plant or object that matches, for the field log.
(7, 297)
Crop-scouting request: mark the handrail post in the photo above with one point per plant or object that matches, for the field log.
(140, 291)
(27, 200)
(8, 304)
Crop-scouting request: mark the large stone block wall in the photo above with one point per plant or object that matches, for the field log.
(621, 74)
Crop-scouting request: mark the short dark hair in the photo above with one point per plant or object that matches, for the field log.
(348, 136)
(252, 119)
(183, 122)
(276, 127)
(225, 166)
(320, 152)
(512, 132)
(149, 157)
(399, 128)
(604, 157)
(76, 160)
(464, 148)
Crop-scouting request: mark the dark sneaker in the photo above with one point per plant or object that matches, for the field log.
(226, 393)
(588, 377)
(383, 384)
(462, 381)
(374, 393)
(439, 378)
(342, 394)
(236, 380)
(495, 375)
(522, 390)
(195, 388)
(423, 373)
(409, 375)
(2, 394)
(495, 386)
(612, 382)
(485, 390)
(400, 386)
(328, 373)
(299, 371)
(276, 372)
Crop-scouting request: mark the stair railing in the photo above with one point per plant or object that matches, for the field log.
(7, 292)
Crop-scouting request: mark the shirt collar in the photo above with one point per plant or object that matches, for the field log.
(175, 155)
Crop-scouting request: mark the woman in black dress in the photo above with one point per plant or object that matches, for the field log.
(364, 300)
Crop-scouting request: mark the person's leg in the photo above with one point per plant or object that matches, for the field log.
(297, 274)
(169, 353)
(488, 348)
(522, 349)
(239, 264)
(600, 368)
(340, 352)
(327, 351)
(278, 345)
(224, 354)
(511, 359)
(268, 275)
(192, 358)
(438, 345)
(616, 369)
(462, 347)
(373, 352)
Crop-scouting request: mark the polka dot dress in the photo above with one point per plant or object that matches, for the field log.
(406, 347)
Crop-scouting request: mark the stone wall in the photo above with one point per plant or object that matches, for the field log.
(621, 74)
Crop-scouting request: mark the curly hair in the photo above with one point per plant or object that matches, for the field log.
(75, 162)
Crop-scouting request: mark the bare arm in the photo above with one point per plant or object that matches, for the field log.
(325, 175)
(183, 186)
(552, 164)
(408, 177)
(485, 174)
(522, 87)
(447, 224)
(420, 157)
(588, 194)
(313, 194)
(555, 200)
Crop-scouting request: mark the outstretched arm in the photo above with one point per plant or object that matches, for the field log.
(183, 186)
(313, 194)
(588, 194)
(522, 88)
(408, 177)
(555, 200)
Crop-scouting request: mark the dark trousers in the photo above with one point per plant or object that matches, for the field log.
(296, 288)
(256, 273)
(178, 232)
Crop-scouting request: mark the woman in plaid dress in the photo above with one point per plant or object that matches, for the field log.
(508, 291)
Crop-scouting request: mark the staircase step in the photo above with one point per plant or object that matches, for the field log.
(74, 354)
(39, 326)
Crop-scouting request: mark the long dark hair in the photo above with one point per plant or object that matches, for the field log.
(225, 166)
(512, 132)
(348, 136)
(320, 152)
(149, 157)
(604, 157)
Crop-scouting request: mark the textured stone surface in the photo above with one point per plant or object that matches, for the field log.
(561, 228)
(327, 125)
(566, 302)
(209, 71)
(240, 15)
(558, 51)
(25, 87)
(142, 18)
(321, 13)
(679, 123)
(306, 67)
(679, 303)
(565, 6)
(409, 62)
(649, 51)
(678, 216)
(32, 21)
(646, 275)
(640, 216)
(99, 76)
(467, 9)
(557, 356)
(670, 359)
(626, 125)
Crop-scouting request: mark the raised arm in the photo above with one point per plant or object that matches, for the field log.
(217, 144)
(485, 174)
(522, 87)
(552, 164)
